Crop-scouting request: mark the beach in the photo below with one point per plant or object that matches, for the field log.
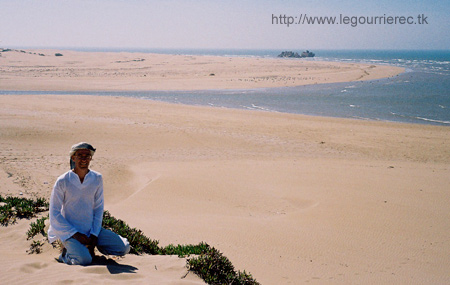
(291, 199)
(114, 71)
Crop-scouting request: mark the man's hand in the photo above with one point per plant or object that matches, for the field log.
(83, 239)
(94, 240)
(89, 242)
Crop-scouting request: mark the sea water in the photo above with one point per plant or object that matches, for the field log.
(419, 95)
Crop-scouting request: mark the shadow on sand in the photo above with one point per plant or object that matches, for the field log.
(112, 266)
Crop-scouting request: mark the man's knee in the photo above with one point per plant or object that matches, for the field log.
(83, 260)
(122, 248)
(112, 243)
(78, 260)
(75, 253)
(126, 248)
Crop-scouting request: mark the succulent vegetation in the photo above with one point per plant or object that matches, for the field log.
(138, 241)
(205, 261)
(12, 208)
(213, 267)
(35, 247)
(202, 259)
(37, 227)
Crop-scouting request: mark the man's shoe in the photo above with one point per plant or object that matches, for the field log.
(61, 257)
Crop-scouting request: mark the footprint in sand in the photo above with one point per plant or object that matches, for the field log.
(33, 267)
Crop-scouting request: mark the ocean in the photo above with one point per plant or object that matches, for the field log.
(420, 95)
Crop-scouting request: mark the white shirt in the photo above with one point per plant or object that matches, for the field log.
(75, 206)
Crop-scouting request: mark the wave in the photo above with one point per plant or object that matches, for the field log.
(259, 107)
(421, 119)
(434, 121)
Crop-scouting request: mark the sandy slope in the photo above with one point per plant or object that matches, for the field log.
(290, 198)
(18, 267)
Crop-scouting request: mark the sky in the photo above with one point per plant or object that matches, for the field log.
(244, 24)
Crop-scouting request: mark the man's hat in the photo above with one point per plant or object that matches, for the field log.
(78, 146)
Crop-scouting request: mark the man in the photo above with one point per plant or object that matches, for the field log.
(76, 212)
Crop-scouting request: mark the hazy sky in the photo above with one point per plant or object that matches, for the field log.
(244, 24)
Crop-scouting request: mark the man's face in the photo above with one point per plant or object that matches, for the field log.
(82, 158)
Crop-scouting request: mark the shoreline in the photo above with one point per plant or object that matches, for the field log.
(124, 71)
(136, 95)
(89, 72)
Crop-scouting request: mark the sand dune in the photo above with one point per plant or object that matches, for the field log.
(18, 267)
(291, 199)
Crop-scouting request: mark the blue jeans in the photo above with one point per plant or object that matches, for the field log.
(109, 243)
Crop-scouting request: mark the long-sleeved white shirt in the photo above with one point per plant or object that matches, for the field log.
(75, 206)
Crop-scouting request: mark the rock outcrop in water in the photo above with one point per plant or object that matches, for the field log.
(289, 54)
(308, 54)
(296, 55)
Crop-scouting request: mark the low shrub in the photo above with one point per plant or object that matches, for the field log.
(215, 268)
(185, 250)
(22, 208)
(35, 247)
(37, 227)
(138, 241)
(207, 262)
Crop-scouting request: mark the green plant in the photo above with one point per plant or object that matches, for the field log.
(22, 208)
(215, 268)
(138, 241)
(6, 215)
(37, 227)
(35, 247)
(208, 263)
(185, 250)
